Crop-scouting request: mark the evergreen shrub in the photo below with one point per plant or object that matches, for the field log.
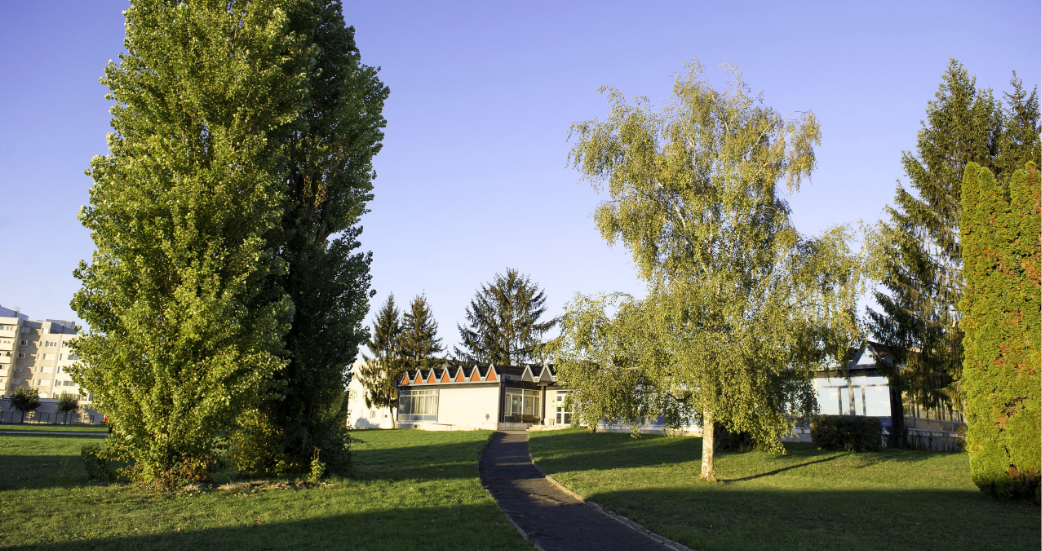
(1001, 308)
(846, 433)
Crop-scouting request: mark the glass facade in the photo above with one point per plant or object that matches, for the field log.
(522, 404)
(564, 410)
(855, 396)
(418, 405)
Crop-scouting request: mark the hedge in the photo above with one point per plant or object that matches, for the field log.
(846, 433)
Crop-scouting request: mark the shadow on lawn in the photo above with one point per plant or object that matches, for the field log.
(608, 451)
(463, 527)
(433, 461)
(757, 517)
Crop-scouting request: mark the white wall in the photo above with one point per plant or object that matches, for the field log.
(468, 406)
(361, 417)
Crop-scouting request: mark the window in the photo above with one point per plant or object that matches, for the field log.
(21, 355)
(418, 405)
(25, 343)
(45, 356)
(522, 404)
(564, 409)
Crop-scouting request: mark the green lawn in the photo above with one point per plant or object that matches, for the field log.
(413, 490)
(806, 499)
(56, 428)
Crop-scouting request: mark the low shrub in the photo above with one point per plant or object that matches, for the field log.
(730, 441)
(846, 433)
(98, 464)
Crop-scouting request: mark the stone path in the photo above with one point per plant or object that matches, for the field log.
(549, 517)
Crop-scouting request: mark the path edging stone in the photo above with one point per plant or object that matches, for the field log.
(629, 523)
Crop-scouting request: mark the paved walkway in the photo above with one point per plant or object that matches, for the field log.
(552, 519)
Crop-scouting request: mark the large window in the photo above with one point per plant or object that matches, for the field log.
(418, 405)
(523, 405)
(857, 396)
(564, 410)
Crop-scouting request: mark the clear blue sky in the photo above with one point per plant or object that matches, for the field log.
(473, 175)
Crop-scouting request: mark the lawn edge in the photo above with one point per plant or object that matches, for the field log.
(629, 523)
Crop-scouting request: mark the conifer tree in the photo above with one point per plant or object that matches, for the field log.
(503, 321)
(419, 342)
(328, 184)
(918, 319)
(184, 333)
(1003, 262)
(380, 374)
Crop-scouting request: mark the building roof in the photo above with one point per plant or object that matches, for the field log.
(454, 373)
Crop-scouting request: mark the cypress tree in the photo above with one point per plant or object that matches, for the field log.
(185, 332)
(328, 185)
(419, 338)
(380, 374)
(1003, 263)
(503, 321)
(918, 319)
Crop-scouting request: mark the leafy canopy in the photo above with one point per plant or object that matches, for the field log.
(740, 308)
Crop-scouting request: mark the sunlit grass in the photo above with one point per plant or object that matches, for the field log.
(413, 490)
(55, 428)
(806, 499)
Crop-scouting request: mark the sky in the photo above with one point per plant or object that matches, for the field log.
(473, 177)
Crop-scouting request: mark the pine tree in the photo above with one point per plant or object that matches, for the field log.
(419, 342)
(918, 319)
(1003, 263)
(185, 334)
(503, 321)
(328, 184)
(380, 374)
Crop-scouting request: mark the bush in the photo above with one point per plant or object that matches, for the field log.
(98, 464)
(847, 433)
(729, 441)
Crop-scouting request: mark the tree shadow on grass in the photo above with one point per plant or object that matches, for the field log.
(757, 517)
(434, 528)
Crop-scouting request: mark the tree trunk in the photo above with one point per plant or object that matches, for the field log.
(708, 471)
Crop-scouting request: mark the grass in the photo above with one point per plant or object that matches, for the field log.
(806, 499)
(412, 490)
(56, 428)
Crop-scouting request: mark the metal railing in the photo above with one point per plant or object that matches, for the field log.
(36, 418)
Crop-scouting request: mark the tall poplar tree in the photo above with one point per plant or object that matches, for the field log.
(503, 321)
(328, 183)
(1002, 248)
(380, 374)
(183, 333)
(741, 308)
(918, 317)
(419, 343)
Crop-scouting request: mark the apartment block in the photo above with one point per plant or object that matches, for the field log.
(36, 354)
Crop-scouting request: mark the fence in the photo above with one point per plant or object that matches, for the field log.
(936, 440)
(35, 418)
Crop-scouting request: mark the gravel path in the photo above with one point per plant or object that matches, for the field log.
(549, 517)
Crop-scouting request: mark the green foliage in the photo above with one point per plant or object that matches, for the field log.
(318, 468)
(25, 399)
(67, 403)
(741, 308)
(185, 330)
(380, 374)
(1003, 262)
(846, 433)
(919, 249)
(98, 463)
(503, 322)
(731, 441)
(419, 344)
(328, 183)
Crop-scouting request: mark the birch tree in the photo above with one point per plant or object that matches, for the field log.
(741, 308)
